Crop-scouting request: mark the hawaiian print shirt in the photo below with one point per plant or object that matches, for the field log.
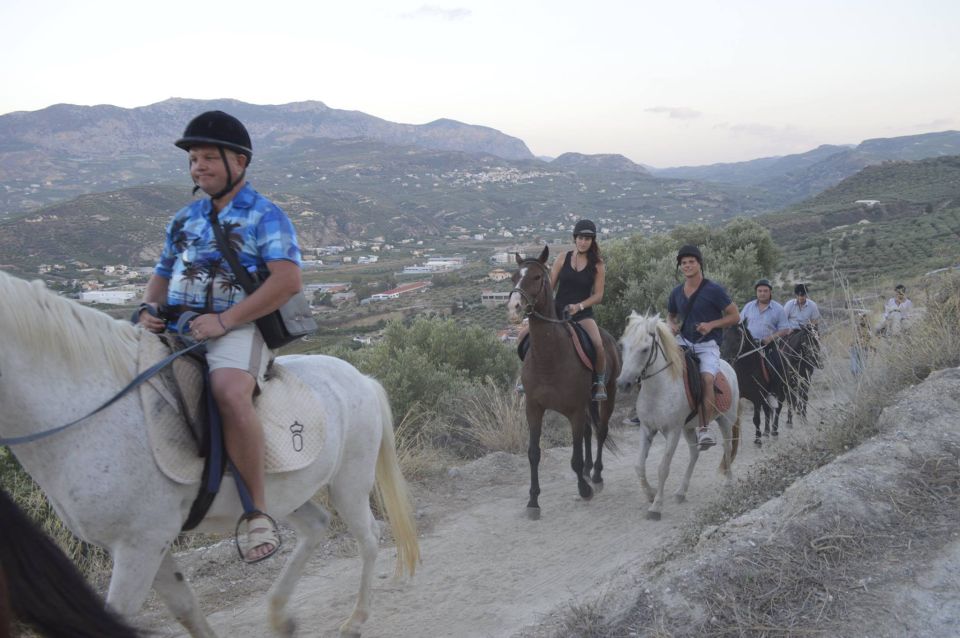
(200, 278)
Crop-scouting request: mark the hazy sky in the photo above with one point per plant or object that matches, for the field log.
(687, 82)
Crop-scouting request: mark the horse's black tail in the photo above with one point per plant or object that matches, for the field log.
(46, 591)
(594, 411)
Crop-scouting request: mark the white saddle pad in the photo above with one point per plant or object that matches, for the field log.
(290, 412)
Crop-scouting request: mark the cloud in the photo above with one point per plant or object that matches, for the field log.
(433, 11)
(676, 112)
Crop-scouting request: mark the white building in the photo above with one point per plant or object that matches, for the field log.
(116, 297)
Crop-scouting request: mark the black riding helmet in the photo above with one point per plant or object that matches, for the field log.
(689, 251)
(763, 282)
(586, 228)
(216, 128)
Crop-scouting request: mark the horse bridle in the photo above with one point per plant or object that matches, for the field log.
(743, 337)
(657, 347)
(529, 310)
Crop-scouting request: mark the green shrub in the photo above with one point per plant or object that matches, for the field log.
(422, 362)
(642, 270)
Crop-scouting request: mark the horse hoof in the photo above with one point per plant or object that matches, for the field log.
(586, 492)
(598, 486)
(653, 516)
(533, 513)
(597, 480)
(776, 433)
(758, 441)
(284, 626)
(681, 498)
(766, 433)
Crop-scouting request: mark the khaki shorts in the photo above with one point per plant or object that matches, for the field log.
(243, 349)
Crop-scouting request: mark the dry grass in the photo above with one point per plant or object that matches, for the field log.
(485, 417)
(92, 561)
(495, 420)
(814, 580)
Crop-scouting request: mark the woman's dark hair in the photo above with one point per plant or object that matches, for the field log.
(593, 255)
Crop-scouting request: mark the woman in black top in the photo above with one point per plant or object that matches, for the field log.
(578, 281)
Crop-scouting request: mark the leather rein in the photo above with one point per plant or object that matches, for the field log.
(529, 309)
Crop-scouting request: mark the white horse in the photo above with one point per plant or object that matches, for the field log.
(60, 360)
(652, 358)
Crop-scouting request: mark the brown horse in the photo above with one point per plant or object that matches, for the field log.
(555, 379)
(41, 588)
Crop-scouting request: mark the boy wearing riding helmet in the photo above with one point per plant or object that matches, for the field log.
(192, 275)
(578, 280)
(698, 310)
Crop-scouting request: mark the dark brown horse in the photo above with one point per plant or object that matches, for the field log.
(801, 355)
(756, 377)
(41, 588)
(555, 379)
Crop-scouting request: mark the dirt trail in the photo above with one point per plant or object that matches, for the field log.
(487, 570)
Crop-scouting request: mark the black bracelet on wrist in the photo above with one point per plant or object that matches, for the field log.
(135, 319)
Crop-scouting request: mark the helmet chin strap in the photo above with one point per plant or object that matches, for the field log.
(230, 183)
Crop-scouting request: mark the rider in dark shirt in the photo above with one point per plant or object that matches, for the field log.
(699, 325)
(578, 279)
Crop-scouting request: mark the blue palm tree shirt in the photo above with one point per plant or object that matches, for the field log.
(200, 278)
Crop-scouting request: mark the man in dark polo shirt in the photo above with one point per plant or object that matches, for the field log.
(698, 311)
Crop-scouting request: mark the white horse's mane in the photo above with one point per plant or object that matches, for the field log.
(639, 327)
(82, 337)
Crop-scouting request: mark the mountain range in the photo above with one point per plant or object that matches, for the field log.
(794, 178)
(66, 150)
(98, 183)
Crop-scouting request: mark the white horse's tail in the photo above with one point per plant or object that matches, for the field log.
(392, 491)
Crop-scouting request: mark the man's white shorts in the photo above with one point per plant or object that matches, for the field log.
(707, 351)
(242, 348)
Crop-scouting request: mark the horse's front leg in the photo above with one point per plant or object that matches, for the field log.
(757, 407)
(135, 567)
(588, 448)
(645, 442)
(776, 418)
(176, 593)
(577, 422)
(690, 434)
(534, 425)
(673, 437)
(602, 430)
